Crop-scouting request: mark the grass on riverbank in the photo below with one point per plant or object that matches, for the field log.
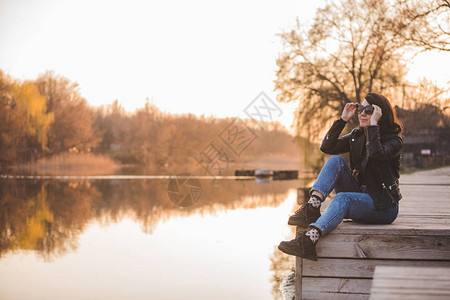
(86, 163)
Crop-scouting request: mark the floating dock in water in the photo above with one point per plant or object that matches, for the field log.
(276, 175)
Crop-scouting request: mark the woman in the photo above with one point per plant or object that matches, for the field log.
(367, 191)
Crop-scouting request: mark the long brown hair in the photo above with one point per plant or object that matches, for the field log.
(389, 123)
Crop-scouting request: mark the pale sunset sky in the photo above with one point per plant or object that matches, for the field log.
(202, 57)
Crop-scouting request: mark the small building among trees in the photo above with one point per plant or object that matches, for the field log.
(426, 136)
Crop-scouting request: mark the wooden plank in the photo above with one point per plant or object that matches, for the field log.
(335, 296)
(425, 217)
(298, 278)
(391, 296)
(402, 226)
(401, 272)
(330, 288)
(432, 212)
(429, 283)
(359, 268)
(421, 181)
(411, 285)
(411, 186)
(384, 247)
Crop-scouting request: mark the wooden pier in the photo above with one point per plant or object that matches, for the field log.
(412, 283)
(348, 256)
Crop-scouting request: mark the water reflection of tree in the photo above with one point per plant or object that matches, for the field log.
(48, 216)
(281, 266)
(42, 216)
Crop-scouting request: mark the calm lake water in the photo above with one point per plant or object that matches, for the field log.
(70, 238)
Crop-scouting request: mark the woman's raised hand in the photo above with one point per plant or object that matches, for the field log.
(377, 113)
(349, 111)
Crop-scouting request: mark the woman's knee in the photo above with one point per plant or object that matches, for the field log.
(342, 198)
(339, 206)
(335, 159)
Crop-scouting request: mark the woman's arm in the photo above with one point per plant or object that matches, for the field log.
(376, 149)
(332, 143)
(385, 150)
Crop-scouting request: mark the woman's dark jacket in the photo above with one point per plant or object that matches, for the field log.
(376, 158)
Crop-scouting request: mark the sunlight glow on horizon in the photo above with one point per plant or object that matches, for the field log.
(201, 57)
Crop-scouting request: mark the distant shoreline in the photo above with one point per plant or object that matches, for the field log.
(101, 164)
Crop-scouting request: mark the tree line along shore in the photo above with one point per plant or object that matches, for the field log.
(47, 123)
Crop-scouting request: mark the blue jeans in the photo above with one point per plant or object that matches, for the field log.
(351, 201)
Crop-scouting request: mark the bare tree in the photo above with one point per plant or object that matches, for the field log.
(425, 92)
(424, 23)
(350, 49)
